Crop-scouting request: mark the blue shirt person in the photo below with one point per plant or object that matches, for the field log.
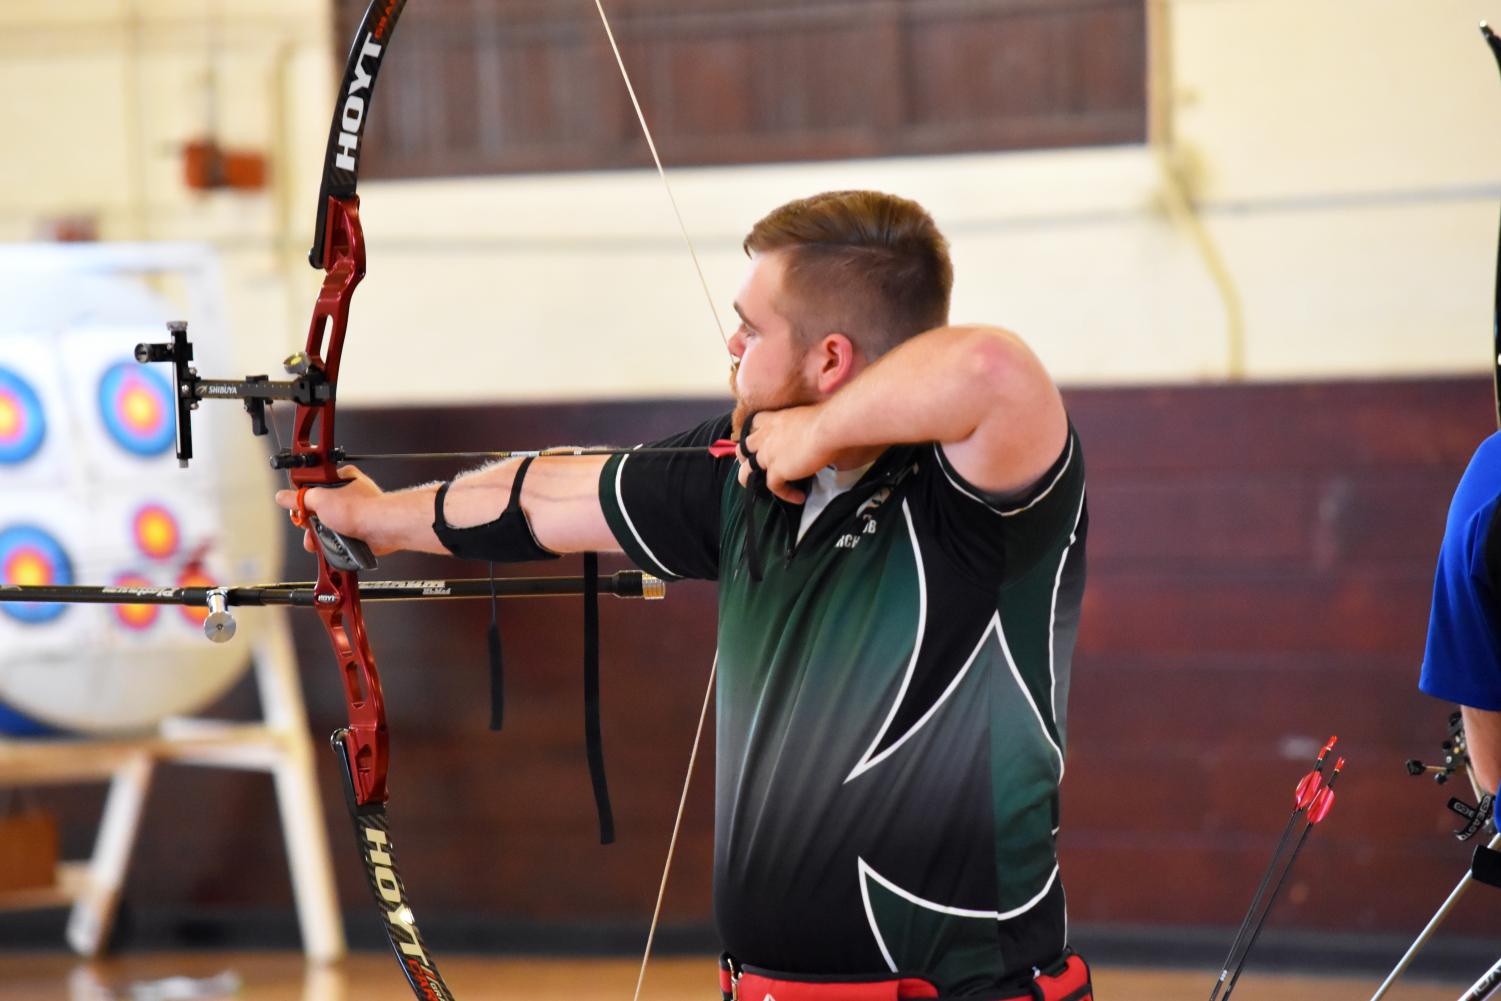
(1462, 658)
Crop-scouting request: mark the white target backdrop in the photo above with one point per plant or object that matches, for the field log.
(93, 493)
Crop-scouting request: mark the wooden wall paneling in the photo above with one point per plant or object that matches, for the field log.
(1261, 561)
(492, 86)
(1388, 424)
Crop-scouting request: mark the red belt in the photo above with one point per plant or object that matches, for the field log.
(1065, 980)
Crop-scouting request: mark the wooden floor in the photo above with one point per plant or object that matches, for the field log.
(372, 977)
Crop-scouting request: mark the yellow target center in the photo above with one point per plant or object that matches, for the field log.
(29, 570)
(141, 409)
(156, 533)
(10, 418)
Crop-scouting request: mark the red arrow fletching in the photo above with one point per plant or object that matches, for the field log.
(723, 448)
(1307, 789)
(1322, 803)
(1310, 784)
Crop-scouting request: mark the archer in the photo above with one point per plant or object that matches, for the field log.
(899, 548)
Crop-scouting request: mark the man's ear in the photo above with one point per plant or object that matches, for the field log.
(838, 360)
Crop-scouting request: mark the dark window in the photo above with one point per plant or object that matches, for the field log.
(493, 86)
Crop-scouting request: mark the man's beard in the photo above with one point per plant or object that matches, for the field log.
(791, 393)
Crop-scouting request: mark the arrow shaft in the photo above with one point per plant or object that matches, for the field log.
(1245, 924)
(719, 449)
(1266, 911)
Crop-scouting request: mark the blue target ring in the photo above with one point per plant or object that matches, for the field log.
(23, 422)
(30, 555)
(137, 408)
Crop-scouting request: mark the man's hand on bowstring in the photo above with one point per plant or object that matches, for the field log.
(342, 509)
(784, 445)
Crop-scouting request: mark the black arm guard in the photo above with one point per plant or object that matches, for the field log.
(507, 539)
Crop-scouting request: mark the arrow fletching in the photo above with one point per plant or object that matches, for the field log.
(1324, 801)
(1308, 788)
(1310, 784)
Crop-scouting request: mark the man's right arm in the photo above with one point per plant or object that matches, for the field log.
(560, 496)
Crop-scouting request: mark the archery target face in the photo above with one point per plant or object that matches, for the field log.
(159, 541)
(34, 422)
(42, 539)
(156, 531)
(136, 409)
(119, 509)
(23, 421)
(115, 668)
(126, 410)
(134, 618)
(31, 556)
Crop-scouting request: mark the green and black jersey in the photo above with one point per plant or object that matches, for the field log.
(890, 707)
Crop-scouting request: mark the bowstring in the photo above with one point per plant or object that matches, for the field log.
(677, 824)
(651, 144)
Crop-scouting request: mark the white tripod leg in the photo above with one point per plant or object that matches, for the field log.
(1427, 932)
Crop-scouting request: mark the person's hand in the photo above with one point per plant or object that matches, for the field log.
(784, 444)
(344, 509)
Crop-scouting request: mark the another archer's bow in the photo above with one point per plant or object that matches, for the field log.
(1456, 755)
(1495, 45)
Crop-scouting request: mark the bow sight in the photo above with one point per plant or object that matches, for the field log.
(311, 388)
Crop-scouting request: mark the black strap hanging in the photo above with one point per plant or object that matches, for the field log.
(497, 660)
(594, 742)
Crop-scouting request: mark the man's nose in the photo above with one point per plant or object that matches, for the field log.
(736, 346)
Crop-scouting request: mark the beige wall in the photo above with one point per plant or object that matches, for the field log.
(1345, 158)
(102, 94)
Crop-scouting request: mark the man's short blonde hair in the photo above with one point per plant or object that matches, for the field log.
(865, 264)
